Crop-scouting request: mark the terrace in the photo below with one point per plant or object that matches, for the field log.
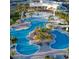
(43, 36)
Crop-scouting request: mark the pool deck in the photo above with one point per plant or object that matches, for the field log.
(45, 50)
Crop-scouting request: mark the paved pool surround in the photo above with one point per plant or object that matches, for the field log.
(25, 48)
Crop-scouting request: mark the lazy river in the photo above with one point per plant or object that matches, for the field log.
(23, 45)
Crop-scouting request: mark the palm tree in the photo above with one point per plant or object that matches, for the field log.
(50, 17)
(63, 16)
(31, 13)
(48, 57)
(21, 9)
(13, 40)
(13, 53)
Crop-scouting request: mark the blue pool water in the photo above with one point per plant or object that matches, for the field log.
(61, 40)
(60, 57)
(23, 45)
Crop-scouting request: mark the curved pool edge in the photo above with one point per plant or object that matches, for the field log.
(66, 33)
(32, 53)
(29, 54)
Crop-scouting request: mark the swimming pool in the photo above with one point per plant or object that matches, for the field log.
(24, 47)
(61, 40)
